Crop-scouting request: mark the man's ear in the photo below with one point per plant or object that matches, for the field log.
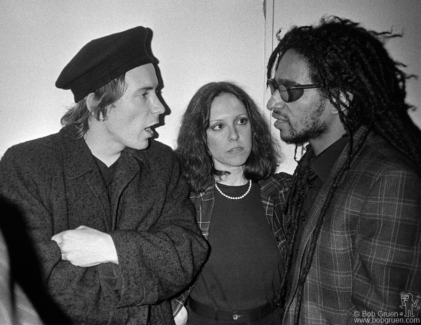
(90, 102)
(344, 101)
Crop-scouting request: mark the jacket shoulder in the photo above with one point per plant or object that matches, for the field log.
(41, 151)
(379, 157)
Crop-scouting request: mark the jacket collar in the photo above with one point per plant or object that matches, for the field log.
(78, 158)
(319, 201)
(140, 155)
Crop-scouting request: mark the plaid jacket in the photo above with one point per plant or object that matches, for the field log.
(273, 193)
(368, 253)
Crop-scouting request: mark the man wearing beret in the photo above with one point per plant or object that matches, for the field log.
(105, 205)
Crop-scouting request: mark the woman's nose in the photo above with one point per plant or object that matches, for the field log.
(233, 136)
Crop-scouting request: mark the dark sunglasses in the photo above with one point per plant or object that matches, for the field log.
(291, 93)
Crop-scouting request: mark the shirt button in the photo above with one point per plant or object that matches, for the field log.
(235, 317)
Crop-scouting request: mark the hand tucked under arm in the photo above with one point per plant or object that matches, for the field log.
(181, 317)
(86, 247)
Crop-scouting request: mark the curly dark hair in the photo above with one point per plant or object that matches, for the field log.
(357, 74)
(193, 151)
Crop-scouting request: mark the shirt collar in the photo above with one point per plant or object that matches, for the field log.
(323, 163)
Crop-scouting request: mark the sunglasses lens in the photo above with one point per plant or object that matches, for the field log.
(295, 94)
(288, 95)
(284, 92)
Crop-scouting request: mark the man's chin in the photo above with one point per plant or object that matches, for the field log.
(141, 145)
(294, 140)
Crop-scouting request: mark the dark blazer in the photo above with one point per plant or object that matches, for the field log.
(369, 249)
(58, 186)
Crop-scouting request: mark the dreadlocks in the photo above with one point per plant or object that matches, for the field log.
(367, 88)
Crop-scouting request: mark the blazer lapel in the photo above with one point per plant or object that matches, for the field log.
(316, 210)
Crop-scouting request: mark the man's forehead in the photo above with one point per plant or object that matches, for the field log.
(292, 67)
(143, 76)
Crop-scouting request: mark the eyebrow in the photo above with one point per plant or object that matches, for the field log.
(286, 82)
(144, 88)
(240, 115)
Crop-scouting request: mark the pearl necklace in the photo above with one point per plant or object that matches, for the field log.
(231, 197)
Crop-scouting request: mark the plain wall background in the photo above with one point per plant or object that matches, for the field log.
(196, 41)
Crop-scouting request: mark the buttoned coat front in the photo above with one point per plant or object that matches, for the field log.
(57, 186)
(368, 252)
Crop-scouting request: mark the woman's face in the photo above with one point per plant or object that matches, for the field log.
(229, 133)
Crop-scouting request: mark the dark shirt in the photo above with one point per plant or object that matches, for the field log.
(320, 168)
(243, 270)
(107, 173)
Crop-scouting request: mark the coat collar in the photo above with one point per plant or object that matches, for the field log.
(78, 159)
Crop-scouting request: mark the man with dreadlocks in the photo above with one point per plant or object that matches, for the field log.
(353, 224)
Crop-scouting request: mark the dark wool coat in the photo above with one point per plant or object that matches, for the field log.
(58, 186)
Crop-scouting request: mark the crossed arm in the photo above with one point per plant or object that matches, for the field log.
(86, 247)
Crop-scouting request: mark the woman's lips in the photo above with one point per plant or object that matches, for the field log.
(236, 150)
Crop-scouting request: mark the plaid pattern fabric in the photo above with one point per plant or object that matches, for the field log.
(369, 249)
(273, 191)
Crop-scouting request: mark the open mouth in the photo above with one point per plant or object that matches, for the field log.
(149, 130)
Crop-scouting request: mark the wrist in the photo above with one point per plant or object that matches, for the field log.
(111, 254)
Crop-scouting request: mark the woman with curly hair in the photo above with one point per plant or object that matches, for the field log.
(229, 161)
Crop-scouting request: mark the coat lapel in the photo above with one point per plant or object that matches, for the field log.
(316, 210)
(80, 165)
(98, 188)
(127, 169)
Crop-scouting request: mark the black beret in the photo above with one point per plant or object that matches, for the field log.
(105, 59)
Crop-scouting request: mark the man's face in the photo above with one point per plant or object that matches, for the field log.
(129, 119)
(308, 117)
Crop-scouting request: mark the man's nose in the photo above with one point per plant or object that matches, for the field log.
(274, 101)
(158, 107)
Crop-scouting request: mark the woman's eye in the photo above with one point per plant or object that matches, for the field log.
(243, 121)
(216, 127)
